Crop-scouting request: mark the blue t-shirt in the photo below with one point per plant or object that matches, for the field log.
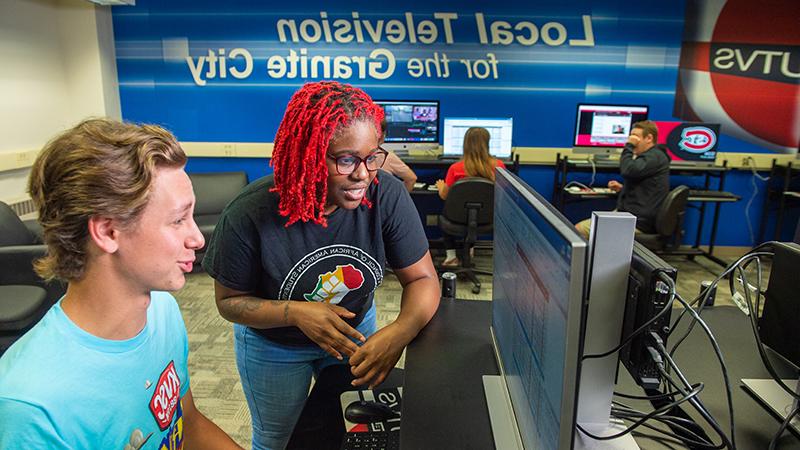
(61, 387)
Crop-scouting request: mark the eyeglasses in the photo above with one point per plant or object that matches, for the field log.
(347, 164)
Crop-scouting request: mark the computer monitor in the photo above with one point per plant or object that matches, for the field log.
(500, 132)
(410, 123)
(779, 333)
(537, 311)
(605, 128)
(692, 143)
(647, 296)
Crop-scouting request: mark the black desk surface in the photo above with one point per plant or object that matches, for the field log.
(444, 404)
(443, 401)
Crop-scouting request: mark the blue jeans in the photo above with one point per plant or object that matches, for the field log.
(276, 380)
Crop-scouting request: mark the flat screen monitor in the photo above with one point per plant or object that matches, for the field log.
(779, 333)
(500, 131)
(537, 311)
(410, 123)
(690, 142)
(605, 128)
(777, 326)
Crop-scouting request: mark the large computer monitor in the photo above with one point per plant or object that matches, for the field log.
(500, 131)
(537, 311)
(410, 123)
(603, 128)
(779, 333)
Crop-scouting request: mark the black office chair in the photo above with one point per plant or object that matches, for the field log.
(668, 224)
(213, 191)
(468, 212)
(21, 307)
(20, 245)
(24, 296)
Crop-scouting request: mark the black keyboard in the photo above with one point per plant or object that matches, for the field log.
(372, 440)
(713, 194)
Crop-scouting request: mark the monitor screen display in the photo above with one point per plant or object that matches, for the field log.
(606, 125)
(500, 131)
(537, 311)
(689, 141)
(411, 121)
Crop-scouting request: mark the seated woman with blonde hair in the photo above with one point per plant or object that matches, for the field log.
(477, 162)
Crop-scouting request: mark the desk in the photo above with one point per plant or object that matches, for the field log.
(444, 163)
(702, 196)
(443, 401)
(444, 405)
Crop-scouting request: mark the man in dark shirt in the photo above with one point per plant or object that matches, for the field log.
(645, 172)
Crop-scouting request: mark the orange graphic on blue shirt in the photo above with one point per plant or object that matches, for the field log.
(333, 286)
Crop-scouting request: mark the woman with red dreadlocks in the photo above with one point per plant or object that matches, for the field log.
(297, 255)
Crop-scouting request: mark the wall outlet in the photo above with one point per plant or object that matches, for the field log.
(746, 161)
(229, 149)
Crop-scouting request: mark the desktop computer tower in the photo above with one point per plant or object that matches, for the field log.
(647, 296)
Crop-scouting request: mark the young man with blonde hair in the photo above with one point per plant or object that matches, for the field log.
(107, 365)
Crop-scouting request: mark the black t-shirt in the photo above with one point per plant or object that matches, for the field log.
(253, 251)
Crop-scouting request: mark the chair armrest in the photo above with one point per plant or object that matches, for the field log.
(36, 230)
(16, 262)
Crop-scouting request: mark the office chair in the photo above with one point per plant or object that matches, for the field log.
(469, 211)
(668, 223)
(20, 245)
(213, 191)
(21, 307)
(24, 296)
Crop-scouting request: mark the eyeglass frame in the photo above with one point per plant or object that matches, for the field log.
(363, 160)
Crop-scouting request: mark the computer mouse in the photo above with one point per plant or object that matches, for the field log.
(366, 412)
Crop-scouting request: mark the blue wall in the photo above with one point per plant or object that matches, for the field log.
(578, 51)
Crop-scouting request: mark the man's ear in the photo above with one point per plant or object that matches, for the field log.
(103, 232)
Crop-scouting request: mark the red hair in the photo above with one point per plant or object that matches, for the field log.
(316, 112)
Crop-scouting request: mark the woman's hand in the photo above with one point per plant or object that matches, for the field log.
(323, 324)
(442, 187)
(373, 361)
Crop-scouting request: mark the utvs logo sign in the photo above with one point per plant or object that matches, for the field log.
(697, 140)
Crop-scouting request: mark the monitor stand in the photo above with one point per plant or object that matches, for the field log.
(414, 149)
(501, 414)
(611, 246)
(605, 157)
(583, 442)
(777, 400)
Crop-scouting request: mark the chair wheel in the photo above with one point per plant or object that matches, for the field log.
(476, 290)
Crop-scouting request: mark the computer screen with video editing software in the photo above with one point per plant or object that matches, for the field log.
(537, 311)
(411, 121)
(599, 126)
(500, 132)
